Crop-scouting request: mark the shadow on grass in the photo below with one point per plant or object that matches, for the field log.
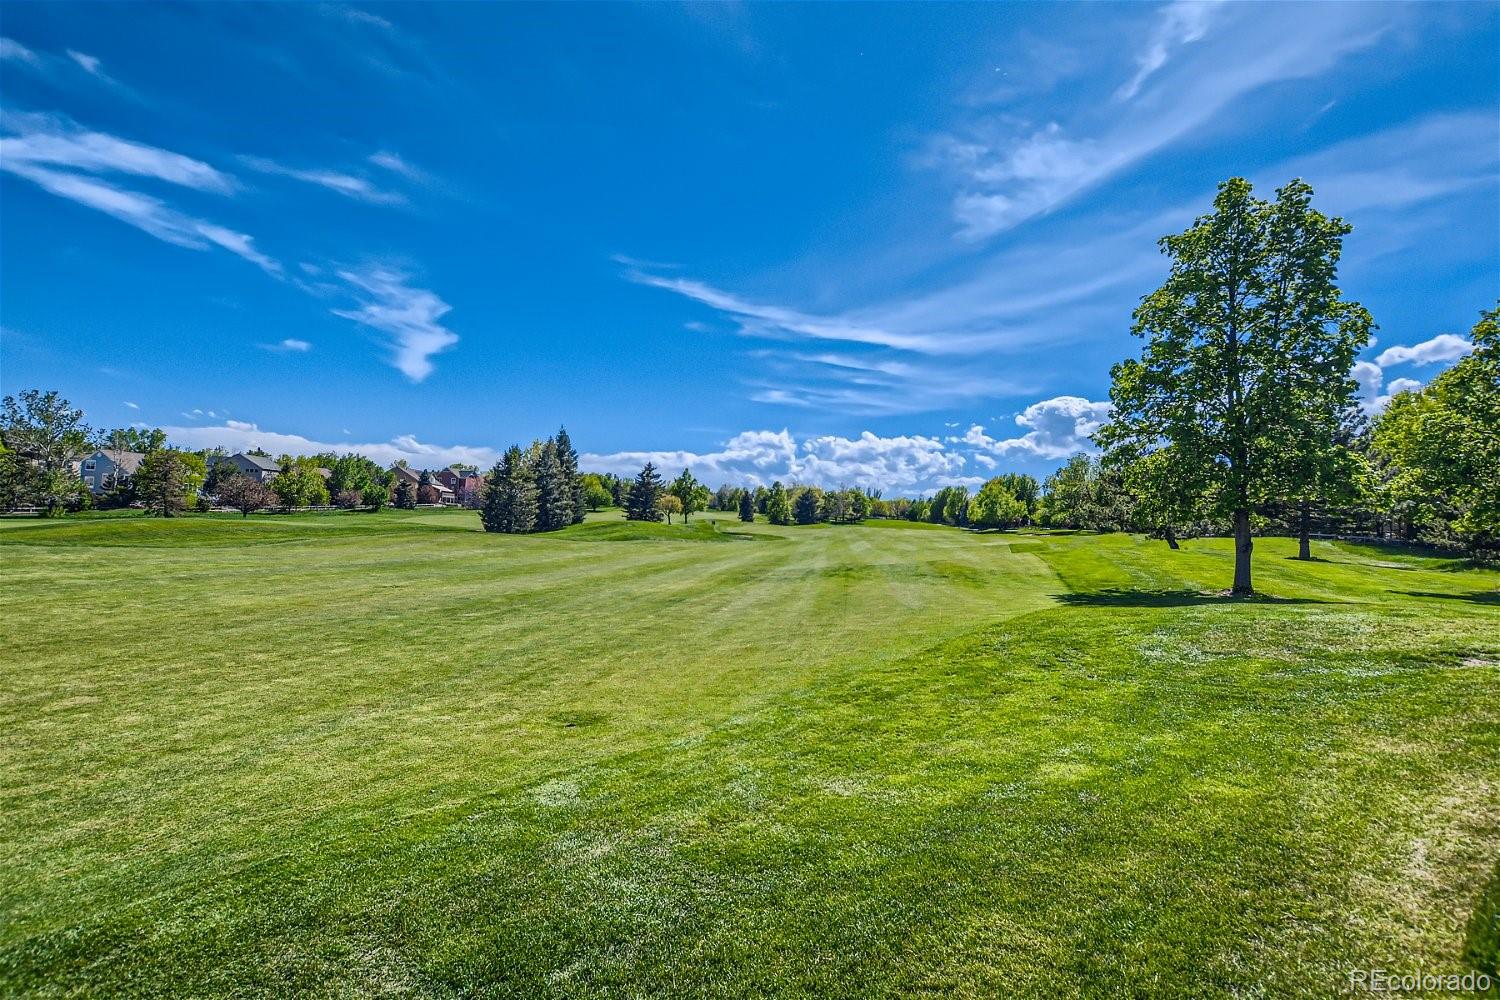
(1473, 597)
(1482, 939)
(1121, 598)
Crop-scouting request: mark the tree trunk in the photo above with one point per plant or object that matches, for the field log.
(1304, 543)
(1172, 538)
(1243, 545)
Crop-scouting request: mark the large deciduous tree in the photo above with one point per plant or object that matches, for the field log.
(1249, 346)
(995, 506)
(1443, 442)
(44, 435)
(692, 494)
(778, 505)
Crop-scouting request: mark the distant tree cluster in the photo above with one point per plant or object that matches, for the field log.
(535, 489)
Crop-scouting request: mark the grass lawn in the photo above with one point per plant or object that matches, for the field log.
(343, 754)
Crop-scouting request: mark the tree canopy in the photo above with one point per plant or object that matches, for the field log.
(1246, 368)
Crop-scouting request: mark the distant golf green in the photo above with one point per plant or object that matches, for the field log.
(390, 754)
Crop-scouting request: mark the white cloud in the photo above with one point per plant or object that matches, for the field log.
(1180, 23)
(60, 157)
(133, 406)
(1371, 379)
(89, 63)
(12, 49)
(393, 162)
(1443, 347)
(347, 185)
(289, 345)
(239, 435)
(1059, 427)
(408, 315)
(1009, 171)
(36, 139)
(761, 457)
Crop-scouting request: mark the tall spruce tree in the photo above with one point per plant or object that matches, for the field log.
(567, 459)
(1244, 378)
(554, 495)
(511, 500)
(644, 492)
(747, 506)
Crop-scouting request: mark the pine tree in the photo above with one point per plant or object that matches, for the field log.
(510, 499)
(644, 492)
(567, 459)
(554, 503)
(406, 495)
(806, 508)
(747, 507)
(493, 507)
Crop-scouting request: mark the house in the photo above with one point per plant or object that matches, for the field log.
(258, 467)
(454, 478)
(404, 474)
(103, 470)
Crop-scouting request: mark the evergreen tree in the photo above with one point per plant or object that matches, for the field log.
(778, 507)
(644, 492)
(406, 496)
(747, 506)
(567, 460)
(554, 494)
(806, 507)
(510, 498)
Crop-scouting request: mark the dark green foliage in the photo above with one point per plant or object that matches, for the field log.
(747, 507)
(554, 493)
(567, 461)
(808, 505)
(406, 496)
(640, 505)
(510, 495)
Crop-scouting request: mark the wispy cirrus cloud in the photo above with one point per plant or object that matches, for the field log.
(1179, 23)
(65, 159)
(346, 184)
(291, 345)
(10, 49)
(1010, 169)
(409, 316)
(56, 141)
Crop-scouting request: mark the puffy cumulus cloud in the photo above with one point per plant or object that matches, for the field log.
(1371, 380)
(1059, 427)
(239, 435)
(896, 463)
(761, 457)
(756, 457)
(1443, 347)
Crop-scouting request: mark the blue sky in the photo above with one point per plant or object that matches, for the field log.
(890, 245)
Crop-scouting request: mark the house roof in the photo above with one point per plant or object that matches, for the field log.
(261, 462)
(128, 461)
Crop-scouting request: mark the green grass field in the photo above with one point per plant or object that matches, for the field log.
(389, 754)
